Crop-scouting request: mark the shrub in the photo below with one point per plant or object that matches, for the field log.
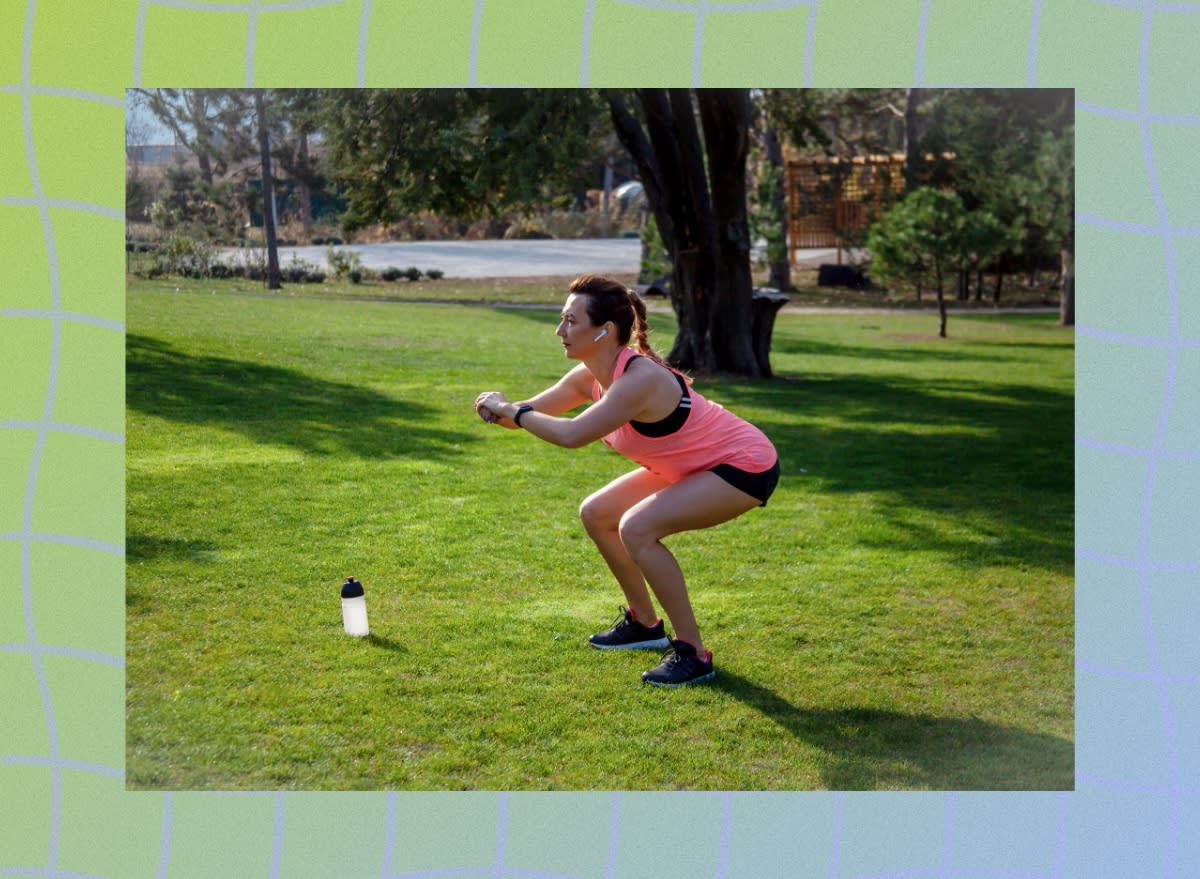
(434, 274)
(412, 273)
(356, 276)
(181, 254)
(343, 262)
(298, 270)
(391, 273)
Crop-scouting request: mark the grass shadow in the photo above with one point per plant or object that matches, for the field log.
(996, 452)
(279, 406)
(871, 749)
(142, 548)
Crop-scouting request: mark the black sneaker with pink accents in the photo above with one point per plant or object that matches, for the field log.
(628, 634)
(680, 667)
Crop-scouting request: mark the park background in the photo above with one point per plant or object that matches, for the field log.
(63, 809)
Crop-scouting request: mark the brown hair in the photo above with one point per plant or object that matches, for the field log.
(608, 300)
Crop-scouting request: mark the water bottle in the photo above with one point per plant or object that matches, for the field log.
(354, 608)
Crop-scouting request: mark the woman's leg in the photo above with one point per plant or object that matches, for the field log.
(601, 515)
(699, 501)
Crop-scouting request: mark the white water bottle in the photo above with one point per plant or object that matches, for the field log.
(354, 608)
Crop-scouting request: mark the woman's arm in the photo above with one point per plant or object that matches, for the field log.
(623, 402)
(569, 392)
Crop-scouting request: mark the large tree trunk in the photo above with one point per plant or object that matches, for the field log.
(701, 215)
(725, 118)
(264, 146)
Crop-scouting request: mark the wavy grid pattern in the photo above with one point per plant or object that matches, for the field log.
(63, 811)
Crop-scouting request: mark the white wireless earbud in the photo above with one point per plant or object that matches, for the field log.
(600, 335)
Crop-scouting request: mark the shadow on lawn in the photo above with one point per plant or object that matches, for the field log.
(868, 749)
(999, 453)
(279, 406)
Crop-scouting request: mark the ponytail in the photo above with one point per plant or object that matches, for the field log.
(640, 329)
(611, 301)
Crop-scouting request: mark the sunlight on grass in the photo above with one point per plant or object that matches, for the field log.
(899, 616)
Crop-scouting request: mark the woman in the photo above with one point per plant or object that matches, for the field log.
(701, 465)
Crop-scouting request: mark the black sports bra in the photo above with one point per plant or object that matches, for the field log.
(674, 421)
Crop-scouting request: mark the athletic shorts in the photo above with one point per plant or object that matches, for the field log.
(757, 485)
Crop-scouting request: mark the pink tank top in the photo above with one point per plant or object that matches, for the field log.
(711, 435)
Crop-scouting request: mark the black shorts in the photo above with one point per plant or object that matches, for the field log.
(757, 485)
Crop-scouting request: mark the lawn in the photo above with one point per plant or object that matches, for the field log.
(899, 617)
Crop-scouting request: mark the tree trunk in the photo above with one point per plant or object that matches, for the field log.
(941, 301)
(999, 284)
(725, 115)
(264, 145)
(700, 211)
(305, 192)
(779, 271)
(912, 138)
(765, 306)
(1067, 293)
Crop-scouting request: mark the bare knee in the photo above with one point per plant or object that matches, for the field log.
(596, 516)
(635, 535)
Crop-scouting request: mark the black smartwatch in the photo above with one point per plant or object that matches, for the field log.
(520, 412)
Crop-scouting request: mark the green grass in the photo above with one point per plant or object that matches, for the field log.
(899, 616)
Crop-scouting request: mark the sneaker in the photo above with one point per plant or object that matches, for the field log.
(680, 666)
(628, 634)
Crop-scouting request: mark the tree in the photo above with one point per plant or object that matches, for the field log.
(690, 149)
(202, 120)
(995, 136)
(262, 123)
(769, 220)
(1050, 194)
(926, 235)
(294, 115)
(463, 152)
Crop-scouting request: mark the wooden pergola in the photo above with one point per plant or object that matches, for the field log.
(828, 196)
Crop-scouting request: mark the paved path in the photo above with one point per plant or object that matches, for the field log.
(503, 259)
(491, 259)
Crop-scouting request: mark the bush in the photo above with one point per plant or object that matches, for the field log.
(412, 273)
(391, 273)
(343, 262)
(434, 274)
(181, 254)
(526, 229)
(298, 270)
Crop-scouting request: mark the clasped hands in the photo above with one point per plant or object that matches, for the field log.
(491, 406)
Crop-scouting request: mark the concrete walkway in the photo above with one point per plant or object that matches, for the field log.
(500, 259)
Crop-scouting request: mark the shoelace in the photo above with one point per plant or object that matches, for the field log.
(672, 657)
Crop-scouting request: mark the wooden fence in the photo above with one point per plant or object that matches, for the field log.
(831, 197)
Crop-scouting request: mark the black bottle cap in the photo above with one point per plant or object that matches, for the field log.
(351, 588)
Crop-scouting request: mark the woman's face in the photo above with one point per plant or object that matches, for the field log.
(576, 330)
